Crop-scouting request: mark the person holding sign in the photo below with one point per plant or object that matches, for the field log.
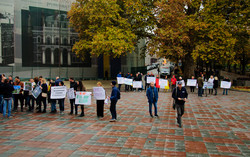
(180, 96)
(210, 82)
(173, 82)
(80, 87)
(200, 85)
(216, 84)
(115, 96)
(44, 88)
(157, 85)
(61, 101)
(152, 95)
(192, 87)
(73, 85)
(100, 103)
(225, 90)
(18, 96)
(119, 75)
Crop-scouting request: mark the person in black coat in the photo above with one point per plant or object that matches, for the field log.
(7, 96)
(44, 88)
(73, 84)
(216, 84)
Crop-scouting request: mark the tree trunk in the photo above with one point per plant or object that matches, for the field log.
(188, 66)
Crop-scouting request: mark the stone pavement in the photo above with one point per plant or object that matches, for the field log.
(212, 126)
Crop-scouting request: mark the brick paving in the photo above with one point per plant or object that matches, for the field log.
(212, 126)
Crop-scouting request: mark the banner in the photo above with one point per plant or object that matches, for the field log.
(137, 84)
(71, 93)
(163, 84)
(58, 92)
(16, 89)
(151, 79)
(225, 84)
(128, 81)
(99, 93)
(36, 92)
(83, 98)
(182, 83)
(27, 86)
(191, 82)
(120, 80)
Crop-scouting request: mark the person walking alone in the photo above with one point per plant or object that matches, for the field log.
(152, 95)
(115, 96)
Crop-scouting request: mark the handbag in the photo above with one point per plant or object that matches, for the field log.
(44, 95)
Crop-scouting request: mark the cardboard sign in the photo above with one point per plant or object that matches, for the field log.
(58, 92)
(99, 93)
(120, 80)
(27, 86)
(128, 81)
(71, 93)
(182, 83)
(16, 89)
(164, 84)
(83, 98)
(192, 82)
(36, 92)
(225, 84)
(137, 84)
(151, 79)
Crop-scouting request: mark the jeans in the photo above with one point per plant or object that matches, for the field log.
(225, 91)
(61, 104)
(16, 98)
(1, 103)
(7, 102)
(53, 105)
(150, 108)
(43, 99)
(72, 103)
(192, 89)
(200, 91)
(215, 91)
(113, 109)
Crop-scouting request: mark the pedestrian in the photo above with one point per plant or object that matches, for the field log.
(99, 104)
(145, 79)
(27, 96)
(137, 78)
(115, 96)
(73, 85)
(7, 96)
(173, 82)
(157, 85)
(44, 88)
(18, 96)
(192, 87)
(225, 91)
(119, 75)
(152, 95)
(127, 86)
(211, 81)
(61, 101)
(52, 101)
(1, 93)
(167, 87)
(216, 84)
(80, 87)
(37, 83)
(200, 85)
(180, 96)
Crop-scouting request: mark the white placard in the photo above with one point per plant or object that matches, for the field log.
(210, 85)
(204, 85)
(182, 83)
(151, 79)
(83, 98)
(99, 93)
(137, 84)
(128, 81)
(225, 84)
(58, 92)
(192, 82)
(163, 83)
(71, 93)
(120, 80)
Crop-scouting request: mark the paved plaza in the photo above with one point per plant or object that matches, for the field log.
(212, 126)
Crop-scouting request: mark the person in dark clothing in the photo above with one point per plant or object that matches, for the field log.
(52, 101)
(1, 93)
(7, 96)
(129, 77)
(115, 96)
(145, 79)
(225, 91)
(216, 84)
(180, 96)
(44, 88)
(39, 98)
(119, 75)
(61, 101)
(137, 78)
(80, 87)
(106, 75)
(73, 84)
(152, 95)
(57, 81)
(18, 96)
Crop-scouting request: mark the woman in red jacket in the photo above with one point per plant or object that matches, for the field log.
(157, 83)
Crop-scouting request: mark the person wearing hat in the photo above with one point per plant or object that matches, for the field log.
(180, 96)
(115, 96)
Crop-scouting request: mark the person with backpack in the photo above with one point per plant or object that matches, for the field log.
(152, 95)
(115, 96)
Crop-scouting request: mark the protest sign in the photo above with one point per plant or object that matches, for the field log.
(83, 98)
(99, 93)
(191, 82)
(36, 92)
(225, 84)
(210, 85)
(204, 85)
(71, 93)
(163, 84)
(16, 89)
(27, 86)
(182, 83)
(120, 80)
(151, 79)
(128, 81)
(58, 92)
(137, 84)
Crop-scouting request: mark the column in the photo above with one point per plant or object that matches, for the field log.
(52, 57)
(69, 58)
(61, 57)
(43, 56)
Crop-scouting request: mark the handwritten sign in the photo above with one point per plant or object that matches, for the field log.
(83, 98)
(99, 93)
(151, 79)
(210, 85)
(120, 80)
(128, 81)
(192, 82)
(163, 84)
(58, 92)
(137, 84)
(71, 93)
(225, 84)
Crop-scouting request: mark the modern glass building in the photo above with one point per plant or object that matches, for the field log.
(35, 39)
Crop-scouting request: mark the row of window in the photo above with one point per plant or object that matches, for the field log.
(56, 42)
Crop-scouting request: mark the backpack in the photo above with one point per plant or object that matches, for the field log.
(118, 95)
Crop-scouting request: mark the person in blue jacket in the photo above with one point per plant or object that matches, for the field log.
(115, 96)
(152, 95)
(119, 75)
